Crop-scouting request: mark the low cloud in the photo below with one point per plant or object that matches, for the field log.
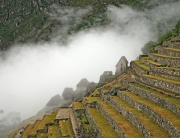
(31, 74)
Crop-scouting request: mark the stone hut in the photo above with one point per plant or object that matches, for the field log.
(121, 66)
(107, 76)
(82, 85)
(55, 100)
(68, 94)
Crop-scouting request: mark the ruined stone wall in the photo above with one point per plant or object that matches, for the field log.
(155, 116)
(139, 70)
(162, 84)
(155, 99)
(170, 44)
(167, 61)
(111, 121)
(168, 52)
(93, 123)
(169, 71)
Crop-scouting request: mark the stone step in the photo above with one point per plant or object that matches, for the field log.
(139, 67)
(169, 51)
(66, 128)
(165, 60)
(27, 130)
(117, 121)
(149, 62)
(161, 82)
(32, 132)
(98, 122)
(154, 96)
(53, 131)
(165, 118)
(166, 72)
(147, 126)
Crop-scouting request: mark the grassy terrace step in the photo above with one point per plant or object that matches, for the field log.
(47, 119)
(165, 113)
(172, 100)
(127, 128)
(66, 128)
(162, 79)
(141, 64)
(27, 130)
(150, 62)
(165, 56)
(53, 131)
(78, 105)
(155, 130)
(42, 135)
(92, 99)
(34, 128)
(106, 130)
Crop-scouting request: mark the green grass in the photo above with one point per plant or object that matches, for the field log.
(53, 131)
(78, 105)
(139, 63)
(162, 79)
(165, 113)
(26, 131)
(84, 121)
(66, 128)
(124, 124)
(172, 49)
(165, 56)
(155, 130)
(92, 99)
(106, 130)
(147, 59)
(34, 128)
(42, 135)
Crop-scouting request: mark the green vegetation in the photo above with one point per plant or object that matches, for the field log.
(66, 128)
(147, 59)
(168, 36)
(148, 123)
(34, 128)
(144, 66)
(92, 99)
(53, 131)
(78, 105)
(27, 130)
(102, 124)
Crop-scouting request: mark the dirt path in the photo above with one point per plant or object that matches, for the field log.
(63, 113)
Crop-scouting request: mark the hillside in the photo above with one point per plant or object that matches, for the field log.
(141, 102)
(27, 21)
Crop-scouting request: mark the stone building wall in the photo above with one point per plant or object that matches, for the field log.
(93, 123)
(111, 121)
(168, 71)
(162, 84)
(168, 52)
(167, 125)
(155, 99)
(171, 44)
(167, 61)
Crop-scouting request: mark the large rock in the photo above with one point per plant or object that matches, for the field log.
(55, 100)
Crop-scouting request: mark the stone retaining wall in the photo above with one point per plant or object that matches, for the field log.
(164, 75)
(139, 70)
(130, 116)
(154, 98)
(169, 71)
(168, 52)
(155, 116)
(93, 123)
(111, 121)
(167, 61)
(171, 44)
(162, 84)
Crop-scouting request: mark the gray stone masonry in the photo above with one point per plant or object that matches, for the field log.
(167, 125)
(163, 51)
(93, 123)
(164, 84)
(129, 116)
(141, 58)
(111, 121)
(139, 70)
(171, 44)
(166, 61)
(155, 99)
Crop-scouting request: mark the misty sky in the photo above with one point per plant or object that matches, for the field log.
(31, 75)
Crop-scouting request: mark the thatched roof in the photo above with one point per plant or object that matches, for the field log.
(54, 101)
(83, 83)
